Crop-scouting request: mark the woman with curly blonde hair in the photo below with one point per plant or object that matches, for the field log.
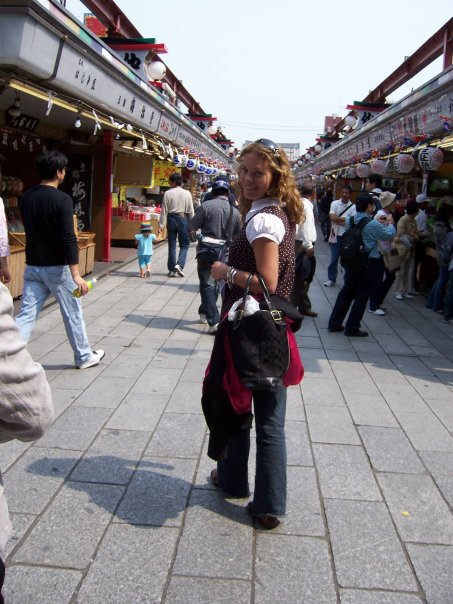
(271, 208)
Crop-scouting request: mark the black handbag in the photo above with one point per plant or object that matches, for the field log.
(259, 343)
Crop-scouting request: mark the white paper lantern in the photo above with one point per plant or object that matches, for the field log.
(318, 148)
(350, 121)
(351, 172)
(155, 70)
(191, 164)
(363, 170)
(201, 168)
(307, 156)
(212, 130)
(177, 159)
(404, 163)
(378, 166)
(430, 158)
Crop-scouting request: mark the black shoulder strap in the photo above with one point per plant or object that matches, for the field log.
(345, 210)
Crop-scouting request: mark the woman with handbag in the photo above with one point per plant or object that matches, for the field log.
(271, 207)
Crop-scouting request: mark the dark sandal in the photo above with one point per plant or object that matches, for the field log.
(268, 521)
(215, 477)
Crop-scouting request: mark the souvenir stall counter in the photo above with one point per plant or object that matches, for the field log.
(126, 223)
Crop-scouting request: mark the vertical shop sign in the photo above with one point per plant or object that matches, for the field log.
(78, 186)
(162, 172)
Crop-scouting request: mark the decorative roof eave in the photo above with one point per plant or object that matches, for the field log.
(79, 64)
(421, 113)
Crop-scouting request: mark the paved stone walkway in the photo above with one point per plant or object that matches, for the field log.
(114, 504)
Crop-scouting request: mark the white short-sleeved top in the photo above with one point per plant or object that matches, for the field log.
(264, 225)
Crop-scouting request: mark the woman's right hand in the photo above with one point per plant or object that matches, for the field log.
(219, 270)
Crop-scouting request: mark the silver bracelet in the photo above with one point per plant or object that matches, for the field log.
(231, 274)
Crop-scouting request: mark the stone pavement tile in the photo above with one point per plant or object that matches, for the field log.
(411, 366)
(434, 567)
(77, 379)
(194, 370)
(336, 342)
(441, 367)
(220, 533)
(312, 342)
(425, 351)
(36, 477)
(139, 412)
(412, 337)
(55, 362)
(393, 344)
(70, 529)
(26, 584)
(186, 398)
(402, 397)
(21, 523)
(342, 359)
(428, 519)
(344, 473)
(321, 392)
(443, 409)
(390, 451)
(298, 444)
(425, 431)
(331, 425)
(44, 343)
(157, 493)
(157, 381)
(292, 570)
(358, 596)
(106, 392)
(197, 590)
(441, 467)
(138, 558)
(294, 405)
(359, 384)
(177, 435)
(62, 398)
(75, 428)
(431, 388)
(373, 360)
(112, 457)
(10, 452)
(366, 550)
(364, 345)
(127, 365)
(316, 367)
(304, 516)
(167, 362)
(370, 410)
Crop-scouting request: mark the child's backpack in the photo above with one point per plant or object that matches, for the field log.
(352, 250)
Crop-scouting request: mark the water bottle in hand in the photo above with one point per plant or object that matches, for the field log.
(90, 282)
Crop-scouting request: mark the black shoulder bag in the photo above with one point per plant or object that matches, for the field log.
(259, 343)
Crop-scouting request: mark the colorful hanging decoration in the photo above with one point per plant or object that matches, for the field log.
(430, 158)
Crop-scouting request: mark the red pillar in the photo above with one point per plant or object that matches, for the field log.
(108, 150)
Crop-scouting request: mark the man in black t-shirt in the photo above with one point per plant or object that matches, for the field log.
(52, 258)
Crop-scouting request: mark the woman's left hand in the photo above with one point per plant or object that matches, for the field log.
(219, 270)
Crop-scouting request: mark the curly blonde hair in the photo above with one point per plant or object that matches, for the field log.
(283, 185)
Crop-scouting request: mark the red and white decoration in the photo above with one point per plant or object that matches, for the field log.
(404, 163)
(378, 166)
(430, 158)
(363, 170)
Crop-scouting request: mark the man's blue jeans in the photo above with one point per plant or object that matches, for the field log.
(39, 283)
(270, 478)
(177, 227)
(436, 296)
(209, 293)
(332, 269)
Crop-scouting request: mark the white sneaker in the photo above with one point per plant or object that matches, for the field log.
(213, 328)
(399, 296)
(96, 358)
(379, 312)
(178, 270)
(203, 319)
(329, 283)
(171, 274)
(408, 296)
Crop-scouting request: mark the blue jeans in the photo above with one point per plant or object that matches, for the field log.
(209, 293)
(39, 283)
(177, 227)
(449, 298)
(436, 296)
(270, 478)
(332, 269)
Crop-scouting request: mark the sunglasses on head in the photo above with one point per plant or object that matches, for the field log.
(269, 145)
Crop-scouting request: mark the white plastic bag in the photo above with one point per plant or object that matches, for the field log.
(251, 306)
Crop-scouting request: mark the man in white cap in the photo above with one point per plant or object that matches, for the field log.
(385, 281)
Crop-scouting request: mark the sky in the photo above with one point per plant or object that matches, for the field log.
(275, 69)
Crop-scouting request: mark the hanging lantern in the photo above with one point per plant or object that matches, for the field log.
(378, 166)
(350, 121)
(351, 172)
(307, 156)
(404, 163)
(155, 70)
(201, 168)
(430, 158)
(318, 148)
(177, 159)
(363, 170)
(212, 130)
(191, 163)
(300, 162)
